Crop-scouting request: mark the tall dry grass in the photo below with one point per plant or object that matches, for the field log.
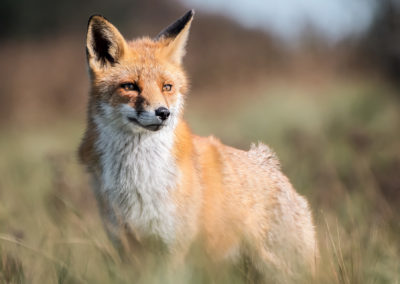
(338, 143)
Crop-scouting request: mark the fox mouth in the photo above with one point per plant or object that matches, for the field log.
(151, 127)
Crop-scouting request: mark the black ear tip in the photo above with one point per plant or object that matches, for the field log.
(175, 28)
(96, 17)
(188, 15)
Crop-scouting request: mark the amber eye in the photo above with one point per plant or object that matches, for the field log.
(167, 87)
(130, 87)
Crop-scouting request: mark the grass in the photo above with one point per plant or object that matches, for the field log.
(338, 145)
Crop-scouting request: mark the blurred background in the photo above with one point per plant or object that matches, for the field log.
(318, 81)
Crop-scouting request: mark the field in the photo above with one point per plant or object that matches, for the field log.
(338, 143)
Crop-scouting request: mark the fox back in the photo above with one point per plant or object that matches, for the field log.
(154, 179)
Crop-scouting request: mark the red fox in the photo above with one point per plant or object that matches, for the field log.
(154, 179)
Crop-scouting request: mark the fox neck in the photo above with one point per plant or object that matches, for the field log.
(139, 172)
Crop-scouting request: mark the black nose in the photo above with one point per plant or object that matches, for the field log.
(162, 113)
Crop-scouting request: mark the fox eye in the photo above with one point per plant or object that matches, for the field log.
(130, 87)
(167, 87)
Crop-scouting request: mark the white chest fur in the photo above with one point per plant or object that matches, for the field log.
(138, 174)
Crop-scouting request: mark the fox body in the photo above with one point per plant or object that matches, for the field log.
(154, 179)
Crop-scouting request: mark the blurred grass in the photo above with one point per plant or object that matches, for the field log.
(339, 145)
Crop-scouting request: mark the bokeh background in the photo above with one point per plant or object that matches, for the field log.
(319, 81)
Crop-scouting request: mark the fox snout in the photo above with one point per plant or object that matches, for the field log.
(162, 113)
(150, 120)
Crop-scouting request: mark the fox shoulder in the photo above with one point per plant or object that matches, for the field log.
(264, 156)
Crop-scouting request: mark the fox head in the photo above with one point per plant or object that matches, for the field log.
(137, 85)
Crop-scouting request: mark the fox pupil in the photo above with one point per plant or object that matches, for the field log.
(130, 87)
(167, 87)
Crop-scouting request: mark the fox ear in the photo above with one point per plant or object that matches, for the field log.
(174, 38)
(104, 43)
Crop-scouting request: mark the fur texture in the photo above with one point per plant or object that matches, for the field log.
(156, 180)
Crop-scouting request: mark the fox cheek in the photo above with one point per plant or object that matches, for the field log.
(116, 99)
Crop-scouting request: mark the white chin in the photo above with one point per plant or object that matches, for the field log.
(137, 129)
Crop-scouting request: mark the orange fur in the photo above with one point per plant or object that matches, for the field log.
(234, 203)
